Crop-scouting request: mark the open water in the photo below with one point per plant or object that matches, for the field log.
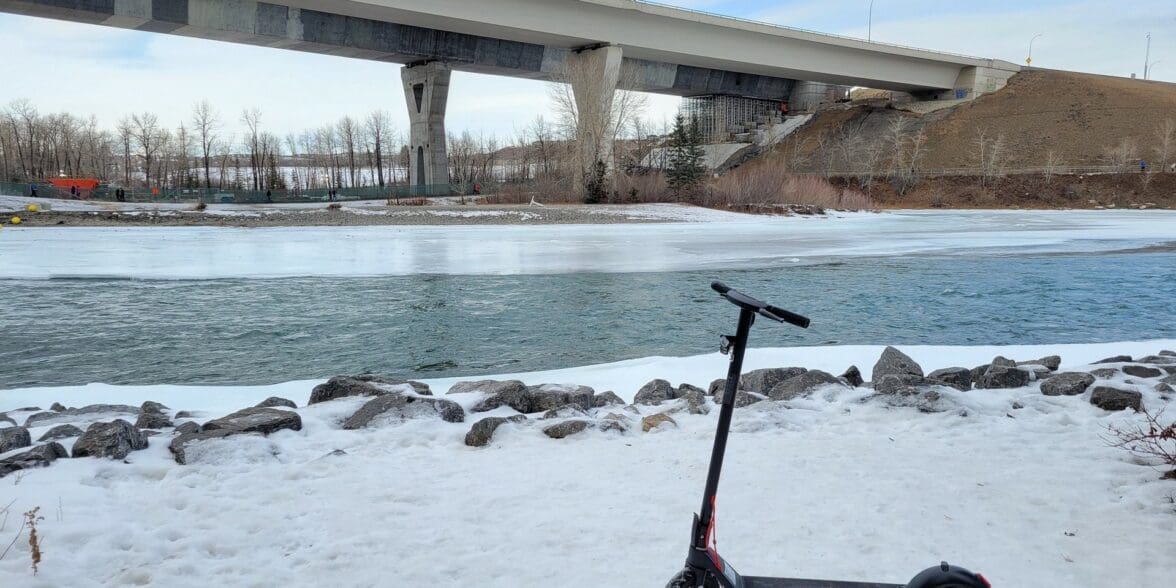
(254, 331)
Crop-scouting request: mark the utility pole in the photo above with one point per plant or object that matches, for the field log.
(870, 23)
(1029, 59)
(1147, 57)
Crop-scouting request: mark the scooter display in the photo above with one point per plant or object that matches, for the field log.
(705, 568)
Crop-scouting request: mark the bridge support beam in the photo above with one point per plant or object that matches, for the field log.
(426, 91)
(594, 74)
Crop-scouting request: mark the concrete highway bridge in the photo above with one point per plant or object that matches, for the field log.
(608, 44)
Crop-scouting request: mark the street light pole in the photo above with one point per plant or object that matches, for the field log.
(1029, 59)
(870, 23)
(1147, 56)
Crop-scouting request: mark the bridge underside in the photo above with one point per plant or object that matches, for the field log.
(285, 27)
(429, 54)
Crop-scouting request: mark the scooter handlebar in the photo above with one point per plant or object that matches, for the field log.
(762, 308)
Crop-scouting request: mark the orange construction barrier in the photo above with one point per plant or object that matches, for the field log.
(79, 183)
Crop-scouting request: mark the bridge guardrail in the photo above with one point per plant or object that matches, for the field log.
(808, 31)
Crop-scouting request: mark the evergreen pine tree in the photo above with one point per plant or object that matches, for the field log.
(685, 172)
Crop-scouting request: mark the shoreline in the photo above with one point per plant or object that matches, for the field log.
(66, 213)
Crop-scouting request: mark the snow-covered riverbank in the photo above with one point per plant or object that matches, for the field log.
(1008, 481)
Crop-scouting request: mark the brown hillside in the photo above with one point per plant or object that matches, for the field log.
(1078, 117)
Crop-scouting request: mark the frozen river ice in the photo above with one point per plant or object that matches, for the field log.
(256, 306)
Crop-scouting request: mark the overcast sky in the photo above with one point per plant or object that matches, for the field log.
(107, 72)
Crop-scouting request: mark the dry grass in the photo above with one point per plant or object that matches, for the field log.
(768, 183)
(334, 206)
(200, 207)
(31, 518)
(640, 188)
(544, 190)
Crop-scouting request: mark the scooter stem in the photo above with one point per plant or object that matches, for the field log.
(726, 410)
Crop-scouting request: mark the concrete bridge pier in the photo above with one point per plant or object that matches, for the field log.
(594, 75)
(426, 91)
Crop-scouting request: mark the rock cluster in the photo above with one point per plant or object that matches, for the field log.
(563, 411)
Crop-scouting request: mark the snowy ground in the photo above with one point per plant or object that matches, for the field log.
(826, 487)
(701, 239)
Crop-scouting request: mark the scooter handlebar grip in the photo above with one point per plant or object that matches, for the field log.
(720, 287)
(789, 317)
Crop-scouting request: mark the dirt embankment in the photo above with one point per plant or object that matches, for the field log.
(1030, 141)
(1078, 118)
(1028, 191)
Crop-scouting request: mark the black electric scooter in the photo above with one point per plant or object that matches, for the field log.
(705, 568)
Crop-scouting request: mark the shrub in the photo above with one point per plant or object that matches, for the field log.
(1152, 441)
(766, 184)
(334, 206)
(200, 206)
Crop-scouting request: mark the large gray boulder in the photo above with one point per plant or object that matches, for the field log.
(14, 438)
(762, 381)
(276, 402)
(38, 457)
(4, 418)
(115, 440)
(512, 393)
(744, 398)
(565, 429)
(61, 432)
(959, 378)
(153, 420)
(256, 420)
(803, 385)
(53, 416)
(152, 406)
(1115, 359)
(1142, 371)
(1050, 362)
(1067, 384)
(363, 385)
(1003, 376)
(717, 387)
(695, 398)
(1105, 373)
(1108, 398)
(1003, 361)
(1157, 360)
(897, 383)
(895, 363)
(548, 396)
(402, 407)
(608, 398)
(188, 427)
(180, 444)
(151, 416)
(852, 376)
(483, 430)
(654, 393)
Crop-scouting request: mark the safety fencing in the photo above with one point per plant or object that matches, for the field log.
(229, 196)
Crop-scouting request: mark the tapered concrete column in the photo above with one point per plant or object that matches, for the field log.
(426, 91)
(593, 74)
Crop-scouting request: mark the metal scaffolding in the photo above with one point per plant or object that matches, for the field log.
(723, 118)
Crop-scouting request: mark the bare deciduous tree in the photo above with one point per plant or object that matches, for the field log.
(147, 134)
(1165, 147)
(206, 123)
(594, 122)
